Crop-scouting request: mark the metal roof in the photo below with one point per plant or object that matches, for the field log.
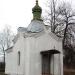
(36, 26)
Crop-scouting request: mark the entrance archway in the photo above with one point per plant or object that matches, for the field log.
(46, 58)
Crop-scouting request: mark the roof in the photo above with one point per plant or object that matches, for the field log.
(22, 29)
(36, 26)
(53, 51)
(9, 49)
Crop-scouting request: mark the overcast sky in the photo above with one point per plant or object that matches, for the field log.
(18, 13)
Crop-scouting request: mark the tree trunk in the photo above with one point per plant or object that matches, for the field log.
(65, 33)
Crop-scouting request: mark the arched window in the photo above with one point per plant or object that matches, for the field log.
(19, 55)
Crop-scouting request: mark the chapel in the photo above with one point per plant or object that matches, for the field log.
(36, 50)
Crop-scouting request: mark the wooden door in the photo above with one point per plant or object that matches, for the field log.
(46, 64)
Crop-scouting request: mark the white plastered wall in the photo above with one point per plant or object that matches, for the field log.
(43, 43)
(12, 66)
(31, 62)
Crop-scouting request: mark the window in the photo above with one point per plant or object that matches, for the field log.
(19, 54)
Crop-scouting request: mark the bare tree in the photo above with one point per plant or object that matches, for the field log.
(51, 14)
(67, 17)
(61, 18)
(5, 40)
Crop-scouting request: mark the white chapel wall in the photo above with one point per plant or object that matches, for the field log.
(42, 43)
(12, 66)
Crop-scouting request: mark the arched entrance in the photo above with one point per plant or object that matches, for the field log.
(46, 57)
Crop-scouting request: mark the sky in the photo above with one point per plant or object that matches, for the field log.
(18, 13)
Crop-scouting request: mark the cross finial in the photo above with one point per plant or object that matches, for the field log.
(36, 2)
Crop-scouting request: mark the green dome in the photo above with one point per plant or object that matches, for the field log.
(36, 8)
(36, 11)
